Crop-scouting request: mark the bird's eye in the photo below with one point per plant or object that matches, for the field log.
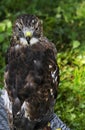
(19, 29)
(36, 29)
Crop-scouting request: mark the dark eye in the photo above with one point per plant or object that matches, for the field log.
(19, 29)
(36, 29)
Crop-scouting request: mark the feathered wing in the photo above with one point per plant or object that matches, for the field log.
(32, 78)
(31, 75)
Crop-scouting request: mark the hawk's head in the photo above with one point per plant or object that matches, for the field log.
(27, 29)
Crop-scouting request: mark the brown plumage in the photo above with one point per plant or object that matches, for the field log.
(32, 75)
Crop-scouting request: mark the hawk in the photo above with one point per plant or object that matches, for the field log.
(31, 76)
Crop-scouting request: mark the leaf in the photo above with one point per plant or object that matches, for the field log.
(8, 23)
(1, 37)
(75, 44)
(81, 10)
(73, 116)
(2, 27)
(5, 24)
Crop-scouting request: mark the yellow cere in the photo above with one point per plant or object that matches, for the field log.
(28, 34)
(58, 129)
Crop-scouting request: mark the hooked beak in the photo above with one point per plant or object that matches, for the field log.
(28, 36)
(28, 39)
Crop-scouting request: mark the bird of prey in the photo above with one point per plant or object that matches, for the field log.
(31, 76)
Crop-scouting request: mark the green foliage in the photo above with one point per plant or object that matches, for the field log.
(64, 24)
(70, 105)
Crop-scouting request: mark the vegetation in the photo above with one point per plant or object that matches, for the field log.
(64, 24)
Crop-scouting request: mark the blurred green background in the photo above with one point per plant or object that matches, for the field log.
(64, 24)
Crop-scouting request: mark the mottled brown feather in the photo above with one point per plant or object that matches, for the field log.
(32, 77)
